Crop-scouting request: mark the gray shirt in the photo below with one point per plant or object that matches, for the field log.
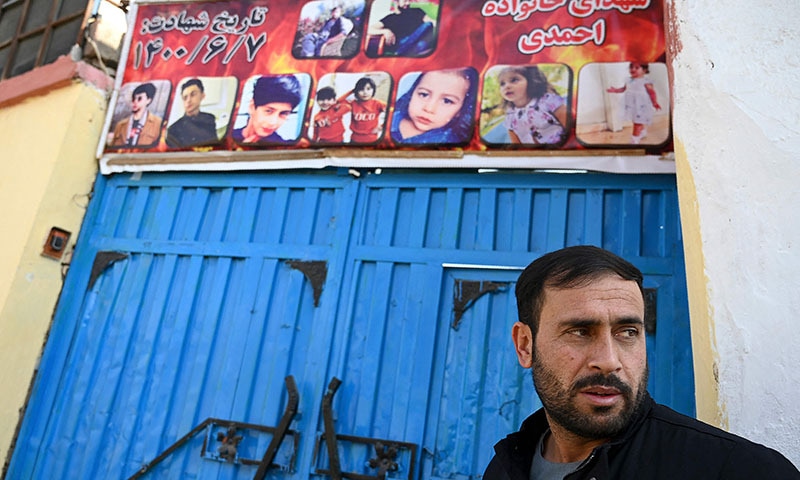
(543, 469)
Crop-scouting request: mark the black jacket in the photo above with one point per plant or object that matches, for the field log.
(659, 444)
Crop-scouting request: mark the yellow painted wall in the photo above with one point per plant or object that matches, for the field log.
(47, 169)
(704, 351)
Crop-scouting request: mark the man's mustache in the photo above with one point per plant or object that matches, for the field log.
(600, 380)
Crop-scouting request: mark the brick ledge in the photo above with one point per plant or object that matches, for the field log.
(54, 75)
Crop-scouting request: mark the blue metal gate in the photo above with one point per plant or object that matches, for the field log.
(196, 301)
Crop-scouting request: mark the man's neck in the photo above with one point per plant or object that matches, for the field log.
(139, 115)
(563, 446)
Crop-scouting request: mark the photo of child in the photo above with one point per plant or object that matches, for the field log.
(437, 106)
(640, 99)
(358, 115)
(623, 103)
(369, 113)
(329, 122)
(526, 104)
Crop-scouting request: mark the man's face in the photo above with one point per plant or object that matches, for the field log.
(139, 103)
(403, 4)
(589, 360)
(269, 117)
(192, 96)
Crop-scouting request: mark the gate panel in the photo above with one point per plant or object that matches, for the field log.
(483, 394)
(203, 318)
(476, 393)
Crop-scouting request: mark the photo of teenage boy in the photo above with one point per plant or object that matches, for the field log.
(194, 128)
(329, 122)
(139, 127)
(402, 28)
(438, 107)
(267, 105)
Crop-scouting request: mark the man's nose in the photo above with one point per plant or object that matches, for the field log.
(604, 355)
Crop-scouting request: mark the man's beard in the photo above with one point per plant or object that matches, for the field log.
(559, 402)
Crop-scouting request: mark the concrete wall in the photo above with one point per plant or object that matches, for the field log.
(737, 133)
(48, 139)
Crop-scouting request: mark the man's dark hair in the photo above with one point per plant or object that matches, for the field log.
(326, 93)
(193, 81)
(147, 88)
(277, 89)
(570, 267)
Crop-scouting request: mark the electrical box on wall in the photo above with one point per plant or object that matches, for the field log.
(56, 243)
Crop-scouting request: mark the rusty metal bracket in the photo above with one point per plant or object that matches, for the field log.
(230, 441)
(335, 469)
(386, 451)
(283, 427)
(102, 260)
(316, 271)
(465, 292)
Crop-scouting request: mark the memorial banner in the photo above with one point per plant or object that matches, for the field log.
(540, 76)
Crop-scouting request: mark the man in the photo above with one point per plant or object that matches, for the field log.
(336, 28)
(409, 32)
(581, 330)
(274, 99)
(194, 128)
(141, 128)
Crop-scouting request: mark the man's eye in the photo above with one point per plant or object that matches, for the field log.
(630, 332)
(579, 332)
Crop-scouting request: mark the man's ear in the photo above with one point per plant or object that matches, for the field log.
(523, 343)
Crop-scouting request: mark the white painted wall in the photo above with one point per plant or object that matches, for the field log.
(737, 131)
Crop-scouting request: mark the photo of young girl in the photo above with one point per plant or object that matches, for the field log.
(641, 100)
(437, 106)
(623, 104)
(526, 104)
(356, 116)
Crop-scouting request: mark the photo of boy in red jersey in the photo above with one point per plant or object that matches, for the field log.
(369, 113)
(356, 116)
(328, 126)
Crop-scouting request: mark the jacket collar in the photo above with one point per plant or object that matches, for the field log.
(518, 448)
